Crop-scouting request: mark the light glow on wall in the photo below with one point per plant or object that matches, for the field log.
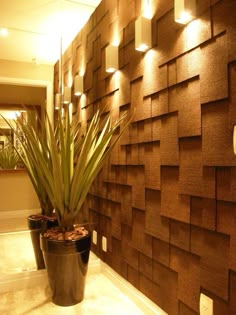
(4, 32)
(147, 10)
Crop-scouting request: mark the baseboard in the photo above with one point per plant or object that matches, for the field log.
(144, 303)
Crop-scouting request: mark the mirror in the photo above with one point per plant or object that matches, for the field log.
(19, 100)
(15, 100)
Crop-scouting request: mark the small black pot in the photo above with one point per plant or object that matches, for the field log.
(67, 264)
(38, 224)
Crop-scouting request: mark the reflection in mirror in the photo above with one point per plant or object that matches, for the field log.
(18, 199)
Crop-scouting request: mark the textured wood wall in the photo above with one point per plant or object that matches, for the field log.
(166, 201)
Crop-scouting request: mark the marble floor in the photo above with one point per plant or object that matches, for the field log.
(25, 291)
(102, 297)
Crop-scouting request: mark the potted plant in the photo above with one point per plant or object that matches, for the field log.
(75, 160)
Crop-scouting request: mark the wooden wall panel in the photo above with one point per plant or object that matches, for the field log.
(165, 198)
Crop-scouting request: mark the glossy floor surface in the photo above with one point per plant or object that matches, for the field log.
(102, 297)
(25, 291)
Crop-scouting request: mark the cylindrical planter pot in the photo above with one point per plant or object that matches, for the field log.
(37, 224)
(66, 264)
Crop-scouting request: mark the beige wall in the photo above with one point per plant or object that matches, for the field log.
(30, 71)
(23, 73)
(16, 192)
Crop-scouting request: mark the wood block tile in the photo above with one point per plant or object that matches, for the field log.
(217, 146)
(172, 73)
(130, 255)
(193, 58)
(97, 53)
(166, 293)
(182, 71)
(111, 191)
(156, 129)
(160, 7)
(214, 71)
(126, 12)
(147, 287)
(180, 234)
(137, 99)
(213, 248)
(133, 276)
(136, 178)
(188, 267)
(145, 266)
(120, 174)
(103, 30)
(199, 30)
(194, 178)
(135, 60)
(116, 220)
(169, 140)
(159, 103)
(126, 204)
(161, 251)
(226, 183)
(140, 240)
(144, 131)
(232, 290)
(203, 212)
(226, 223)
(152, 170)
(124, 88)
(129, 35)
(189, 117)
(173, 204)
(155, 224)
(185, 310)
(132, 157)
(153, 81)
(170, 38)
(116, 257)
(232, 94)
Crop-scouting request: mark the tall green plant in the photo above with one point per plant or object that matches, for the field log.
(68, 161)
(27, 155)
(8, 157)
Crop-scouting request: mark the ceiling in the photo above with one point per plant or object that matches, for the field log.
(37, 27)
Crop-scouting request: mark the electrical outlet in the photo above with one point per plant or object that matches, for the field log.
(206, 305)
(95, 237)
(104, 244)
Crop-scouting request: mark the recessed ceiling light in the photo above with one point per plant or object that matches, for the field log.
(3, 31)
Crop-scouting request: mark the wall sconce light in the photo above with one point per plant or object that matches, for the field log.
(58, 101)
(67, 95)
(111, 55)
(143, 34)
(78, 85)
(185, 11)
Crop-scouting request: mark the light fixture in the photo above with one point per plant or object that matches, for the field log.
(185, 11)
(58, 101)
(67, 95)
(143, 34)
(111, 55)
(78, 85)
